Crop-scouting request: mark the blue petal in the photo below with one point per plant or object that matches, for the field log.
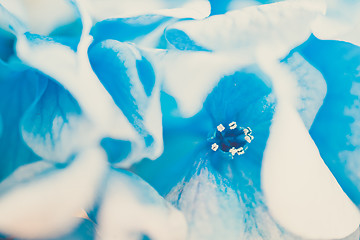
(116, 149)
(18, 91)
(336, 126)
(126, 29)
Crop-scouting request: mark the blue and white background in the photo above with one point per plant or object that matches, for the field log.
(179, 119)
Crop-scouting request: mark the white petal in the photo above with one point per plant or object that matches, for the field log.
(301, 193)
(47, 206)
(276, 27)
(131, 208)
(341, 22)
(104, 9)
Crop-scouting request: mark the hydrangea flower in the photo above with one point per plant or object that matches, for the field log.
(90, 95)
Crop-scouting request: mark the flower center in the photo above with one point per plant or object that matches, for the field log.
(233, 139)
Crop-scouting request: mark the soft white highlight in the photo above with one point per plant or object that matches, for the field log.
(131, 208)
(46, 206)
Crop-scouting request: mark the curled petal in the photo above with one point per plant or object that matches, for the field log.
(131, 209)
(130, 80)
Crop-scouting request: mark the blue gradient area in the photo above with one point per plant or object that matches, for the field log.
(180, 40)
(126, 29)
(339, 63)
(181, 137)
(68, 34)
(19, 89)
(116, 149)
(7, 42)
(146, 75)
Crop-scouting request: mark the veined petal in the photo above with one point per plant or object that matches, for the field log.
(130, 80)
(336, 129)
(131, 209)
(44, 200)
(54, 126)
(274, 28)
(101, 10)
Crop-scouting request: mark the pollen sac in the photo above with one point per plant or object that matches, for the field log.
(232, 140)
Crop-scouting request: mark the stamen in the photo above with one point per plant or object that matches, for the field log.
(220, 128)
(248, 138)
(232, 140)
(214, 147)
(232, 125)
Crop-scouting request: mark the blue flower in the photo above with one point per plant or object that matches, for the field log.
(240, 110)
(278, 184)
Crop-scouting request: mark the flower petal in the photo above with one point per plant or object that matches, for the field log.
(41, 200)
(336, 129)
(276, 28)
(131, 209)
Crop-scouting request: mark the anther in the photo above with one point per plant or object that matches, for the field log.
(232, 125)
(248, 138)
(214, 147)
(238, 151)
(220, 128)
